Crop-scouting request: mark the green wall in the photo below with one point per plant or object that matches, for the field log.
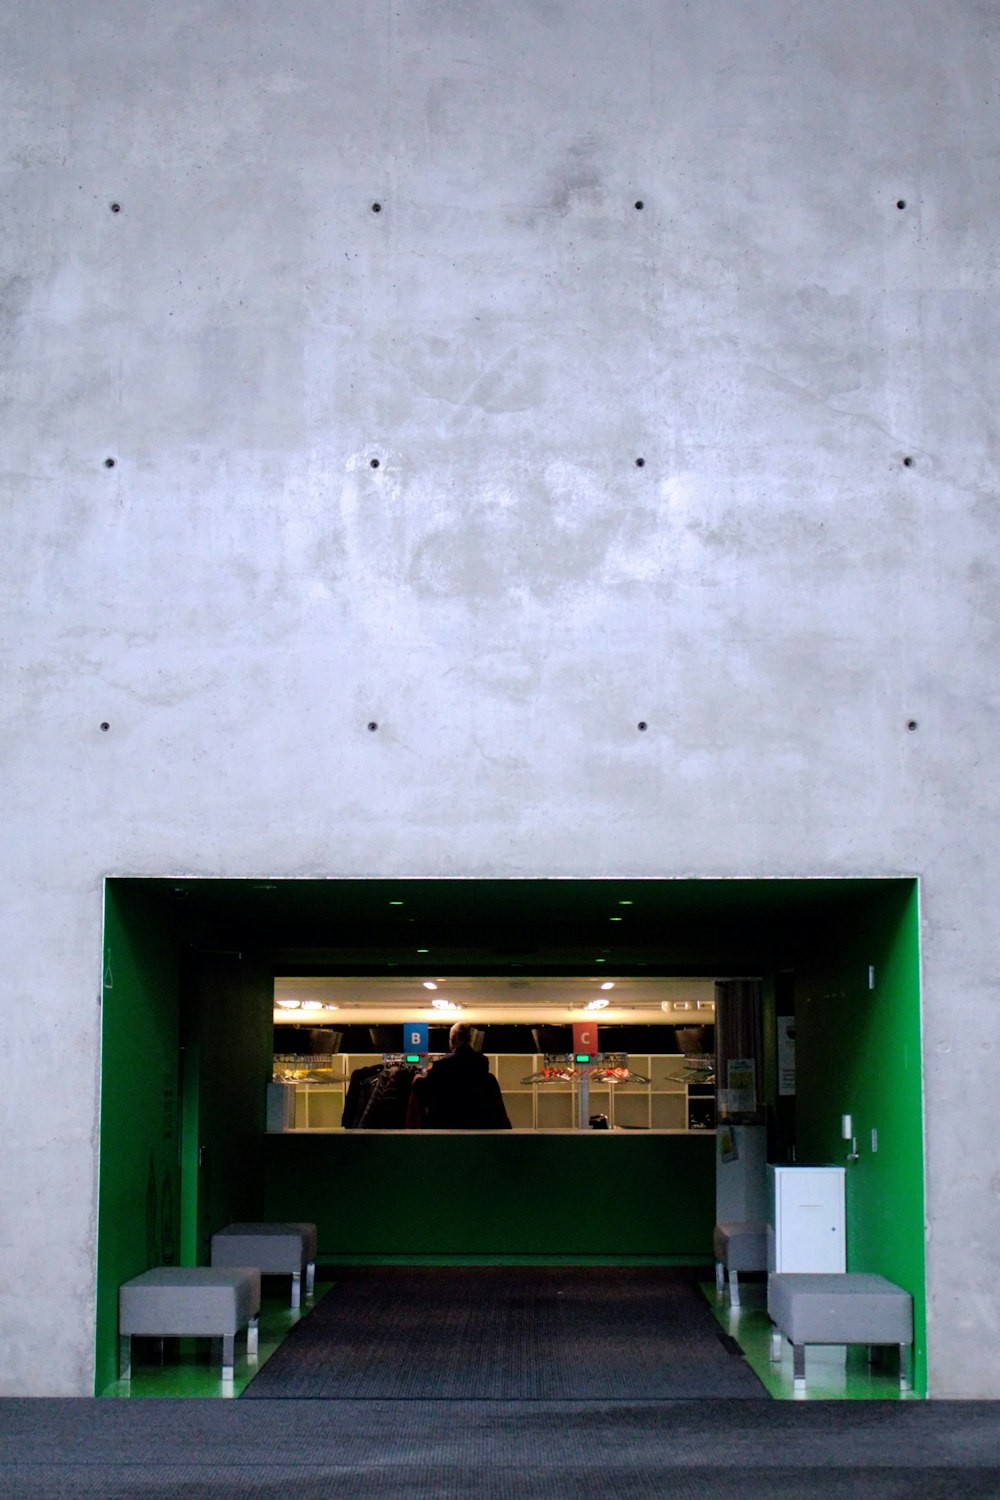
(139, 1141)
(186, 1054)
(498, 1195)
(228, 1005)
(859, 1053)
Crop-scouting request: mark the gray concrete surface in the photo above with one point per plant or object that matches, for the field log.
(775, 592)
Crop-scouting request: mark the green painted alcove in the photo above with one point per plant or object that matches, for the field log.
(186, 1048)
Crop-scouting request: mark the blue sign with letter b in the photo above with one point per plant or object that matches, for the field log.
(416, 1036)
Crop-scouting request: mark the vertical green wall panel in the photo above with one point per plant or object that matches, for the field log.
(139, 1139)
(157, 1203)
(228, 1029)
(859, 1053)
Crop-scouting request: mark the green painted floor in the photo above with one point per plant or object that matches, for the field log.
(832, 1374)
(195, 1370)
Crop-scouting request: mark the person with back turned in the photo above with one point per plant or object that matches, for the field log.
(460, 1092)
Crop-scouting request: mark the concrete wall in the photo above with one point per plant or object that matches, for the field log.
(775, 592)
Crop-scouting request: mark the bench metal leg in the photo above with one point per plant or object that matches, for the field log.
(228, 1355)
(720, 1277)
(253, 1338)
(125, 1357)
(296, 1288)
(310, 1278)
(799, 1366)
(775, 1345)
(734, 1289)
(905, 1367)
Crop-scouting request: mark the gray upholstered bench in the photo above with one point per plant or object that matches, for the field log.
(738, 1247)
(275, 1249)
(190, 1302)
(844, 1308)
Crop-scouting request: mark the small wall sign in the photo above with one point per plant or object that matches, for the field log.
(416, 1036)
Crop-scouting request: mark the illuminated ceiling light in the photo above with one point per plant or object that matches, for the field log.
(329, 1005)
(423, 950)
(626, 903)
(287, 1004)
(312, 1005)
(429, 984)
(597, 1004)
(600, 960)
(616, 919)
(445, 1005)
(395, 903)
(608, 984)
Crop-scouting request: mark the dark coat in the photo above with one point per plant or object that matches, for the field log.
(460, 1093)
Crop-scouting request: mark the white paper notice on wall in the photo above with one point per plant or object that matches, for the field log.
(786, 1054)
(742, 1086)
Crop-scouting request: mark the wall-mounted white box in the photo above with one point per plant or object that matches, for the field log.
(806, 1228)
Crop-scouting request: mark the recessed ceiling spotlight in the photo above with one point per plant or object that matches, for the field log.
(312, 1005)
(287, 1004)
(608, 984)
(597, 1004)
(445, 1005)
(429, 984)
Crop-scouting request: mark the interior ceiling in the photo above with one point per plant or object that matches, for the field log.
(468, 927)
(532, 1000)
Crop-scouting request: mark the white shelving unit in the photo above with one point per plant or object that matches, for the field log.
(665, 1103)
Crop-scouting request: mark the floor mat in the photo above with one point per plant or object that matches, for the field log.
(509, 1333)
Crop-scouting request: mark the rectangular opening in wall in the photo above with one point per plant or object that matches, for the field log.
(195, 970)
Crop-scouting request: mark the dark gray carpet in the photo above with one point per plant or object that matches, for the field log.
(504, 1333)
(416, 1450)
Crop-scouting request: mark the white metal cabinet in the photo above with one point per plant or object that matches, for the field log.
(806, 1228)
